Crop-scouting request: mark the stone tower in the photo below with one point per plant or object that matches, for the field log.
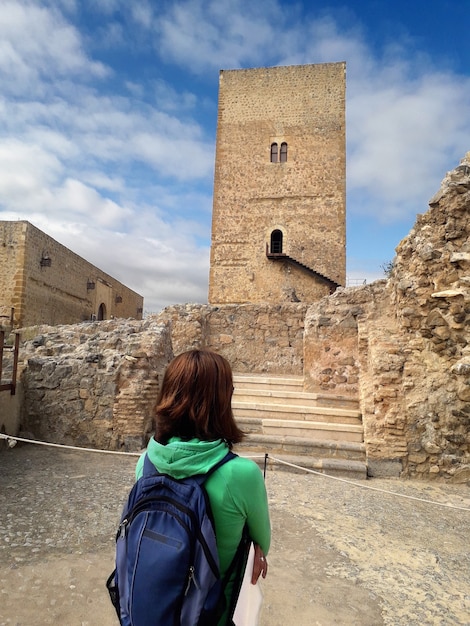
(279, 218)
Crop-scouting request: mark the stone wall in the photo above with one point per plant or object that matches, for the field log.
(303, 197)
(331, 347)
(45, 283)
(94, 384)
(430, 292)
(253, 338)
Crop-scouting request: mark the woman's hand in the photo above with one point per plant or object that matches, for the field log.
(260, 565)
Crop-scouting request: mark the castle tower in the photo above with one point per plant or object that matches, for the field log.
(279, 218)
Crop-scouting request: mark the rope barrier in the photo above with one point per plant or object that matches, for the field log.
(10, 438)
(350, 482)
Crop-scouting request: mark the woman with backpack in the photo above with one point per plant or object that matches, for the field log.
(194, 431)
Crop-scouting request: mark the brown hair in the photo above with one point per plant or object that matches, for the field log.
(196, 399)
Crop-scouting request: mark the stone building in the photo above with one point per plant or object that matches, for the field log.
(43, 282)
(278, 225)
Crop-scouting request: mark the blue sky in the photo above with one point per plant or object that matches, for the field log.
(108, 113)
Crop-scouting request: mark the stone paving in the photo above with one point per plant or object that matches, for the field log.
(341, 554)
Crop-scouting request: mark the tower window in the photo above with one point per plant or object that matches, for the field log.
(276, 242)
(274, 153)
(279, 156)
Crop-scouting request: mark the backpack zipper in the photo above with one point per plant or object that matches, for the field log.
(190, 578)
(122, 529)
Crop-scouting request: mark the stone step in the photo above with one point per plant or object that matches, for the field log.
(254, 388)
(295, 412)
(341, 468)
(302, 428)
(241, 394)
(301, 447)
(260, 381)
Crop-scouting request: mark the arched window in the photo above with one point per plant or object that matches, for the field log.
(276, 242)
(283, 154)
(102, 312)
(274, 153)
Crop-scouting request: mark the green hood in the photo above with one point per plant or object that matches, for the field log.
(180, 459)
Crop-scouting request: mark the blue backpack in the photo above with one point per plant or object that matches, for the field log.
(167, 566)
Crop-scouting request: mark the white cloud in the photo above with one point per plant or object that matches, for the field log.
(162, 267)
(26, 172)
(169, 99)
(177, 157)
(214, 34)
(78, 125)
(37, 43)
(403, 136)
(103, 182)
(78, 200)
(142, 13)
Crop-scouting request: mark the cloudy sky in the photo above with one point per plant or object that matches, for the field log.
(108, 118)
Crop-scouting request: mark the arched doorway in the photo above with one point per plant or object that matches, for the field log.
(102, 312)
(276, 242)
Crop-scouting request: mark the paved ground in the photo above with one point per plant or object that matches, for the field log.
(341, 554)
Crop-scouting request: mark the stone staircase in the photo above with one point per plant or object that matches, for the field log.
(316, 431)
(282, 256)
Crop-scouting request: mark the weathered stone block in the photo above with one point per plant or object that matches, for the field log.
(384, 468)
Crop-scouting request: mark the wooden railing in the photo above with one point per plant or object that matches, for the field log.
(11, 386)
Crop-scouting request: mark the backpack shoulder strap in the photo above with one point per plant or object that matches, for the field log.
(228, 457)
(201, 478)
(149, 468)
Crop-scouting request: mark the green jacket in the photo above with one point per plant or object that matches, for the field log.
(236, 490)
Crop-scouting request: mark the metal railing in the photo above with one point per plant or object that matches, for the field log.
(355, 282)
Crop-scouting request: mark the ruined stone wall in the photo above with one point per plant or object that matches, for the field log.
(253, 338)
(93, 384)
(331, 346)
(303, 197)
(430, 291)
(46, 283)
